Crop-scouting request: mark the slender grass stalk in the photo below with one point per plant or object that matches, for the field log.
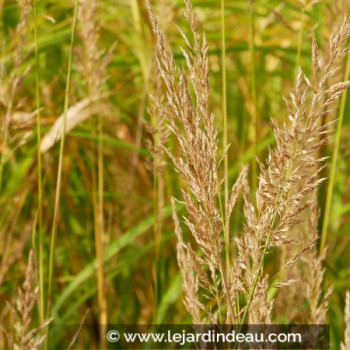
(146, 67)
(158, 188)
(225, 131)
(226, 273)
(160, 135)
(255, 120)
(99, 249)
(93, 68)
(158, 203)
(2, 160)
(39, 174)
(330, 187)
(103, 316)
(139, 128)
(225, 144)
(60, 161)
(4, 133)
(98, 205)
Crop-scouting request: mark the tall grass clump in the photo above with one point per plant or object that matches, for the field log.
(148, 184)
(285, 186)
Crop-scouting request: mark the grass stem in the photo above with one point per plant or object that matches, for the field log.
(330, 187)
(99, 234)
(4, 127)
(224, 117)
(225, 144)
(255, 121)
(39, 174)
(60, 162)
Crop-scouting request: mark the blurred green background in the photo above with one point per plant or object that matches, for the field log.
(265, 43)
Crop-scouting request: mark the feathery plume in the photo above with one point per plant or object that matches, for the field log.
(292, 170)
(191, 121)
(26, 337)
(190, 280)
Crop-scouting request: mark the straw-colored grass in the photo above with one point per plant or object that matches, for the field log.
(172, 162)
(291, 173)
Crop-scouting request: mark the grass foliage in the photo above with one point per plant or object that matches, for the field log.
(161, 154)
